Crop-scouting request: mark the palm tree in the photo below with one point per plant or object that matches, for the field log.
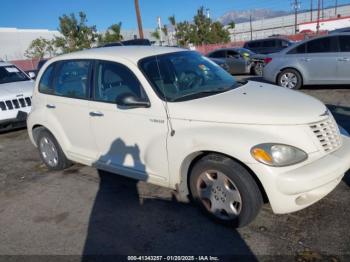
(172, 21)
(165, 32)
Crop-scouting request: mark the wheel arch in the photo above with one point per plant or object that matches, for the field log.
(190, 161)
(290, 67)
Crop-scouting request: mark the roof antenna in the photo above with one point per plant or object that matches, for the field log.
(172, 131)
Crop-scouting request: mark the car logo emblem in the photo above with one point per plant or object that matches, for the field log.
(325, 113)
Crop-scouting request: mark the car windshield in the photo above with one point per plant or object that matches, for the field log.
(10, 73)
(186, 75)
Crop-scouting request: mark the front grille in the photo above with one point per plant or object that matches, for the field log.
(15, 103)
(327, 132)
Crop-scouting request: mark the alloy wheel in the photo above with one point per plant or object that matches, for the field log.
(48, 151)
(219, 195)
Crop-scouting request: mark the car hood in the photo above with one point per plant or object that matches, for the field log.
(16, 88)
(252, 103)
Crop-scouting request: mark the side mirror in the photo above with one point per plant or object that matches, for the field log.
(31, 75)
(131, 101)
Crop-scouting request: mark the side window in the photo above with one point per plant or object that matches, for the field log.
(232, 54)
(113, 80)
(323, 45)
(45, 81)
(254, 44)
(219, 54)
(344, 43)
(268, 43)
(298, 50)
(72, 79)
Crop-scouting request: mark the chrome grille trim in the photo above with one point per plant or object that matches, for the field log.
(13, 104)
(327, 133)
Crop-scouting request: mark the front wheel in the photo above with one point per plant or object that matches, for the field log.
(225, 190)
(290, 78)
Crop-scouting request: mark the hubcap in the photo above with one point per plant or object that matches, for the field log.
(289, 80)
(219, 194)
(48, 151)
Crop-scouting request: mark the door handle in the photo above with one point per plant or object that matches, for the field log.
(51, 106)
(95, 113)
(344, 59)
(306, 59)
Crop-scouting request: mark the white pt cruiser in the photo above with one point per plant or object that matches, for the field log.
(174, 118)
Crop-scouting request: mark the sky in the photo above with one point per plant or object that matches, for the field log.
(43, 14)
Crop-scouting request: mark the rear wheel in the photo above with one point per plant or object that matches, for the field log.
(290, 78)
(225, 190)
(50, 151)
(258, 69)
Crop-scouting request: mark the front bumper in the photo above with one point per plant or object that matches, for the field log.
(303, 186)
(17, 122)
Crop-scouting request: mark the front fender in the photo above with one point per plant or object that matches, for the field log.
(234, 140)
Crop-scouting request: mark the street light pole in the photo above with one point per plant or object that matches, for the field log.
(318, 17)
(139, 20)
(296, 6)
(311, 9)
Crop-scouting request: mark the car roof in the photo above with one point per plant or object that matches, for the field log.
(131, 53)
(266, 39)
(5, 64)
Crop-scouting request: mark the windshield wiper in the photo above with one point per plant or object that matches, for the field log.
(199, 93)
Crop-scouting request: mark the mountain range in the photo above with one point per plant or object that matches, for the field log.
(244, 16)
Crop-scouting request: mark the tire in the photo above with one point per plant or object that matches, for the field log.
(285, 79)
(225, 190)
(50, 151)
(258, 69)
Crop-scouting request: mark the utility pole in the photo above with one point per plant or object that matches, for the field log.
(251, 27)
(336, 8)
(322, 9)
(139, 20)
(296, 6)
(318, 17)
(311, 9)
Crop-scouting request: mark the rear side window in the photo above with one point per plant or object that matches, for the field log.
(322, 45)
(218, 54)
(301, 49)
(72, 79)
(113, 80)
(344, 43)
(268, 43)
(254, 44)
(45, 81)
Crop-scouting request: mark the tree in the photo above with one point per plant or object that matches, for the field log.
(232, 25)
(76, 35)
(40, 48)
(201, 31)
(113, 34)
(156, 34)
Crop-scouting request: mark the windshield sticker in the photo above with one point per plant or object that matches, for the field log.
(12, 69)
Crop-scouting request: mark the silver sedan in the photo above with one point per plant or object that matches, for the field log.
(319, 61)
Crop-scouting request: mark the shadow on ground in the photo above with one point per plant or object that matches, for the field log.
(126, 223)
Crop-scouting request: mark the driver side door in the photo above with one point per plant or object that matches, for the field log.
(128, 140)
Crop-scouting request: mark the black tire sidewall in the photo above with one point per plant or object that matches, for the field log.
(299, 78)
(250, 194)
(63, 162)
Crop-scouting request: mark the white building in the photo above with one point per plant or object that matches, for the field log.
(14, 42)
(283, 25)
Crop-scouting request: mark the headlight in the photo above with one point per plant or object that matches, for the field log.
(278, 155)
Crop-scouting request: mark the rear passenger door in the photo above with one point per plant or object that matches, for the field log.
(67, 102)
(343, 59)
(319, 61)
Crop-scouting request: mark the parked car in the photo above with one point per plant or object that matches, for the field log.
(319, 61)
(238, 60)
(172, 117)
(144, 42)
(16, 89)
(340, 30)
(268, 45)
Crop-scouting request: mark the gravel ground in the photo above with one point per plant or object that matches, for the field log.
(82, 211)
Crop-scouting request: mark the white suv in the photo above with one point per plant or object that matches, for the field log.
(16, 89)
(174, 118)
